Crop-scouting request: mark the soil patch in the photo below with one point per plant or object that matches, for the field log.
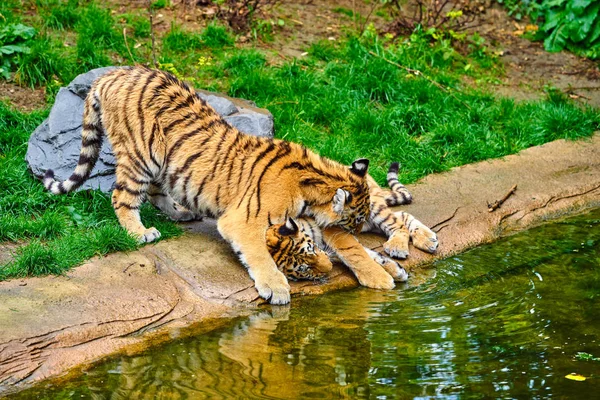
(23, 98)
(127, 302)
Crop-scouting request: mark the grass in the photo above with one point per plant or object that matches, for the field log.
(340, 100)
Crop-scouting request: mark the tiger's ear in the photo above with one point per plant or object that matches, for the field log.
(360, 167)
(339, 200)
(289, 228)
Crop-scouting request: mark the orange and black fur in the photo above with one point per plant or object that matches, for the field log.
(169, 142)
(399, 227)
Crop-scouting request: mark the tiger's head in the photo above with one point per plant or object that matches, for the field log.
(295, 253)
(350, 205)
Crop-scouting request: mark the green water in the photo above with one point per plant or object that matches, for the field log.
(501, 321)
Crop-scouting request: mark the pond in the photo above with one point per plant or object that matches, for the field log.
(505, 320)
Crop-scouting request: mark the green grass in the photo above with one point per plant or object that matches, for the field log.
(340, 100)
(58, 232)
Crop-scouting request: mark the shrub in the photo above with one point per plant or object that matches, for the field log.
(14, 41)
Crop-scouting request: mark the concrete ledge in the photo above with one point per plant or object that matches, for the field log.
(126, 302)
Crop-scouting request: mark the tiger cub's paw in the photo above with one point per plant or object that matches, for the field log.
(149, 235)
(397, 245)
(425, 239)
(392, 267)
(375, 278)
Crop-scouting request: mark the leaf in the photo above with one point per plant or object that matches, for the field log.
(585, 23)
(556, 41)
(575, 377)
(579, 6)
(14, 48)
(595, 32)
(552, 19)
(23, 31)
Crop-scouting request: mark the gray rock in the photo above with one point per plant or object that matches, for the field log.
(56, 143)
(222, 105)
(82, 83)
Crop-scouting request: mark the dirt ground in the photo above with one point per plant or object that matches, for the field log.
(528, 67)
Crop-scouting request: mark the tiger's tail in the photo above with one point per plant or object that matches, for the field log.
(91, 142)
(398, 194)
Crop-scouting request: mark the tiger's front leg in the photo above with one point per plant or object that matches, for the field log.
(249, 243)
(354, 256)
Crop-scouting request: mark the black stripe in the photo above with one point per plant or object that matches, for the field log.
(286, 150)
(124, 188)
(151, 143)
(257, 159)
(85, 142)
(200, 189)
(124, 205)
(175, 175)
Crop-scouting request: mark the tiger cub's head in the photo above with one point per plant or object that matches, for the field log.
(350, 205)
(295, 253)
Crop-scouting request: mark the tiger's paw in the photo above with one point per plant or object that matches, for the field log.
(275, 289)
(392, 267)
(425, 239)
(375, 278)
(149, 235)
(397, 245)
(185, 216)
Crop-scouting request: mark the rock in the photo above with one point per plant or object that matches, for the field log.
(56, 143)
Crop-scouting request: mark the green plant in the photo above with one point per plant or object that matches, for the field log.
(519, 9)
(96, 35)
(59, 14)
(582, 356)
(571, 24)
(158, 4)
(14, 41)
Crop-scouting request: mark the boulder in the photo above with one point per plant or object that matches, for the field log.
(55, 144)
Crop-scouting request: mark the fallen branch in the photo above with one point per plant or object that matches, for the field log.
(416, 72)
(495, 205)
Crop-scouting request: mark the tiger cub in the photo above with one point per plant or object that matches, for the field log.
(167, 140)
(296, 253)
(295, 260)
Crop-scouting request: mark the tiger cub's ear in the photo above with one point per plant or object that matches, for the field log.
(340, 199)
(360, 167)
(289, 228)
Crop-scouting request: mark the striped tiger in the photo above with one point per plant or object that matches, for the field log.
(297, 261)
(170, 143)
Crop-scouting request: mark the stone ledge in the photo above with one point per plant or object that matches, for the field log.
(126, 302)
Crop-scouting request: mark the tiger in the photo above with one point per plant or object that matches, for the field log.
(297, 257)
(169, 141)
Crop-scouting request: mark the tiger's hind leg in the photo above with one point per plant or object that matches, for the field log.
(391, 267)
(127, 197)
(165, 203)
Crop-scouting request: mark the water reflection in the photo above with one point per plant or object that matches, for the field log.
(501, 321)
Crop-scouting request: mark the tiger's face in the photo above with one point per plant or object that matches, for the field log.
(295, 253)
(354, 210)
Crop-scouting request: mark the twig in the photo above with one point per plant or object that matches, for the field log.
(151, 13)
(126, 268)
(127, 45)
(416, 72)
(495, 205)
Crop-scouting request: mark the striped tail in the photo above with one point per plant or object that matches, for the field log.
(399, 194)
(91, 143)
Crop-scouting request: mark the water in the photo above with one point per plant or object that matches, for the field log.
(501, 321)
